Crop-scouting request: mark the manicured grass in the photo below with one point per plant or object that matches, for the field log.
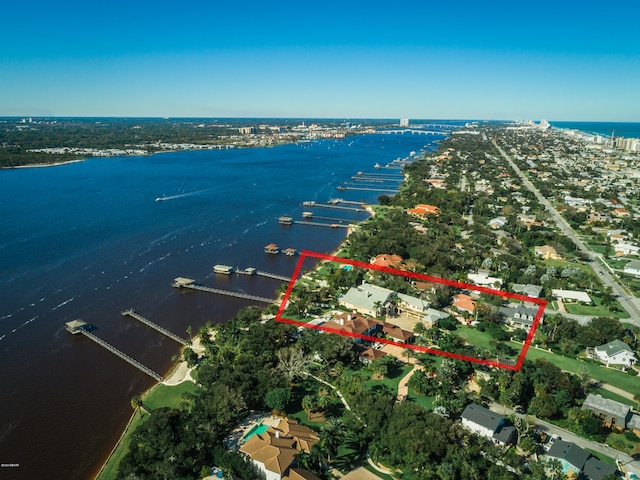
(384, 476)
(159, 396)
(596, 309)
(474, 336)
(164, 396)
(618, 379)
(422, 400)
(111, 468)
(604, 393)
(389, 381)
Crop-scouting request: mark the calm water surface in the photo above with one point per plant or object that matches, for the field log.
(87, 240)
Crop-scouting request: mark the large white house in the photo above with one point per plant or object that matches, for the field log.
(488, 424)
(616, 353)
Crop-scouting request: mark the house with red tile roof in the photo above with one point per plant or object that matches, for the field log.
(423, 209)
(464, 302)
(387, 260)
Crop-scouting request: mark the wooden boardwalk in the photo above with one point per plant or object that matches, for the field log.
(122, 355)
(188, 283)
(317, 224)
(273, 275)
(338, 207)
(131, 313)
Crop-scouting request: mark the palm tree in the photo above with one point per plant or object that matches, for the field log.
(332, 435)
(378, 307)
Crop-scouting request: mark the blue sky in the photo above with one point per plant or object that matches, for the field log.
(347, 59)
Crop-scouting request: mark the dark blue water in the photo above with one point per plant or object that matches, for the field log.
(620, 129)
(87, 240)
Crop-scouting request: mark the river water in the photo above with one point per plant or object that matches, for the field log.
(88, 240)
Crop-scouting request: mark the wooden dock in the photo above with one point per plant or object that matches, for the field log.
(273, 275)
(384, 190)
(182, 282)
(78, 326)
(318, 224)
(131, 313)
(338, 207)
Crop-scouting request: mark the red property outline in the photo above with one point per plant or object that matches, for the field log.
(418, 276)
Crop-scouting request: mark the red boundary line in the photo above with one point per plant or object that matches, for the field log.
(418, 276)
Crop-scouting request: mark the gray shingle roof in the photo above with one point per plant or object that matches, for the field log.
(613, 347)
(482, 416)
(594, 469)
(611, 407)
(569, 452)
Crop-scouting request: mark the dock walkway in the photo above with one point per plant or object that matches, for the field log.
(188, 283)
(318, 224)
(338, 207)
(122, 355)
(273, 275)
(131, 313)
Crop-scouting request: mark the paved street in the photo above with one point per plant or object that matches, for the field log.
(627, 461)
(628, 302)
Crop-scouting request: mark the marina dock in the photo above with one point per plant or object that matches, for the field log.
(78, 326)
(131, 313)
(182, 282)
(252, 271)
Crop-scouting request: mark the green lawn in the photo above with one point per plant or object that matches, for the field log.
(474, 336)
(619, 442)
(159, 396)
(618, 379)
(389, 381)
(164, 396)
(422, 400)
(604, 393)
(596, 309)
(111, 468)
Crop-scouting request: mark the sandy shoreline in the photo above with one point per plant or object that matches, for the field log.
(42, 165)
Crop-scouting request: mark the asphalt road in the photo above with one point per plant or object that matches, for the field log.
(628, 462)
(628, 302)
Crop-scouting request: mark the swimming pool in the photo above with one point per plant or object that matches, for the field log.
(256, 429)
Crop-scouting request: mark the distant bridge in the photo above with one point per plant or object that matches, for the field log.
(412, 131)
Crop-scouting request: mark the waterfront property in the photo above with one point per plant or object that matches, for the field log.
(274, 450)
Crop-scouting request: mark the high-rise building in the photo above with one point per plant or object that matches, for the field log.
(404, 122)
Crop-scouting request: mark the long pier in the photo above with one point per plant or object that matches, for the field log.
(188, 283)
(338, 207)
(318, 224)
(386, 190)
(122, 355)
(131, 313)
(273, 275)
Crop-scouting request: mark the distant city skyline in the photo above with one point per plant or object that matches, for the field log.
(464, 60)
